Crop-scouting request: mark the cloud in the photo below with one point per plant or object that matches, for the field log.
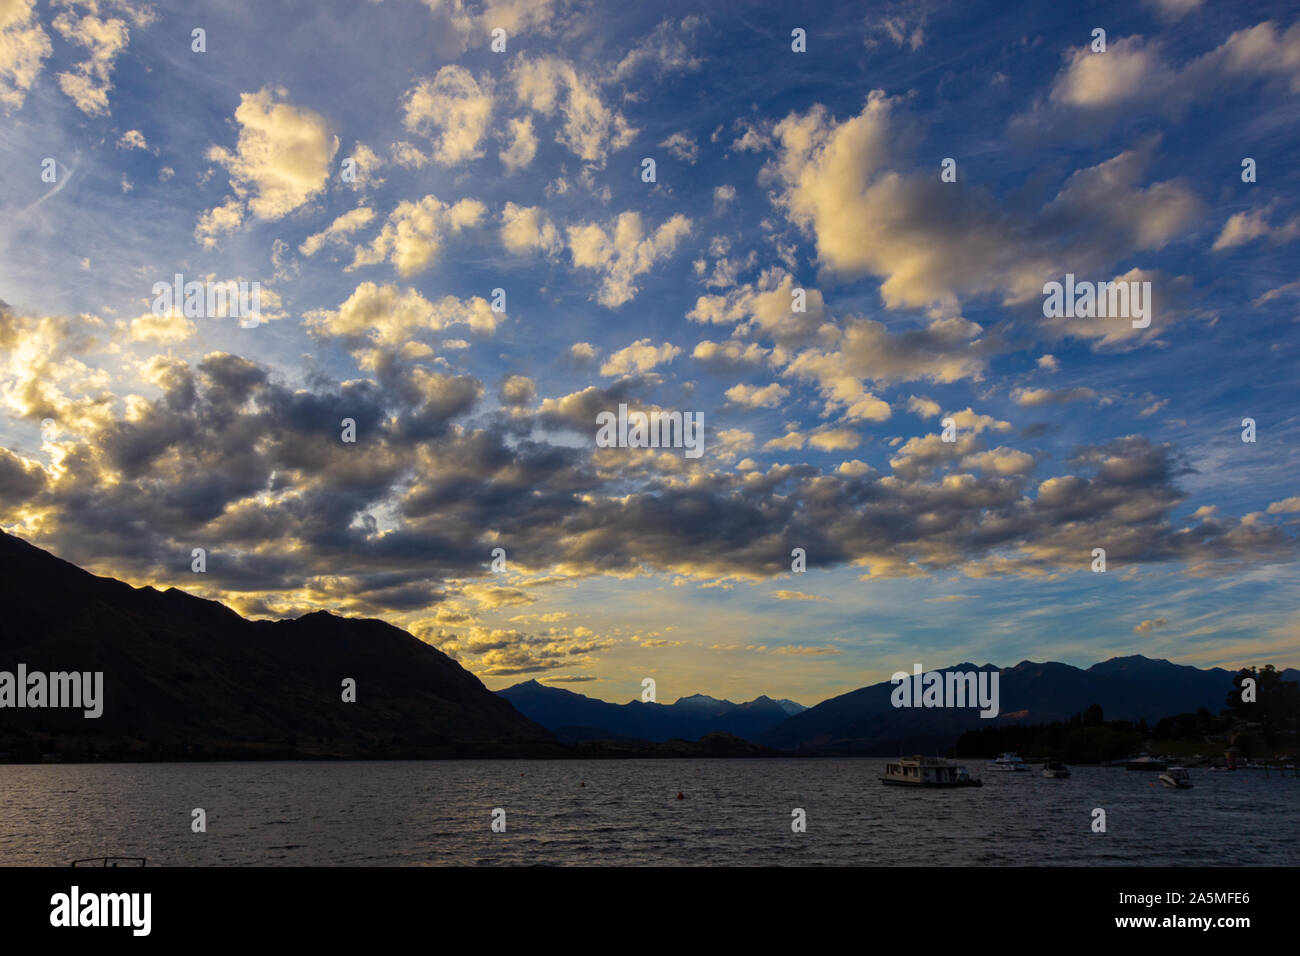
(389, 316)
(623, 250)
(132, 139)
(932, 245)
(1244, 227)
(638, 358)
(24, 46)
(947, 350)
(763, 308)
(1146, 627)
(999, 461)
(589, 128)
(797, 596)
(925, 407)
(415, 231)
(835, 439)
(729, 354)
(1135, 73)
(136, 485)
(169, 329)
(89, 82)
(523, 145)
(752, 396)
(476, 21)
(453, 110)
(527, 229)
(518, 390)
(1174, 9)
(336, 231)
(281, 161)
(1127, 69)
(900, 30)
(666, 50)
(1037, 397)
(683, 146)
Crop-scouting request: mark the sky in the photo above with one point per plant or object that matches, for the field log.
(463, 251)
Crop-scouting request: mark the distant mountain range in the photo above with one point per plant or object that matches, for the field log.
(186, 678)
(1126, 688)
(864, 721)
(573, 717)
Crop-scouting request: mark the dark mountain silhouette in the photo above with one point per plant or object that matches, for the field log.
(186, 677)
(1126, 688)
(573, 717)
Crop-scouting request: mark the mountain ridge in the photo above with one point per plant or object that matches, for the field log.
(184, 675)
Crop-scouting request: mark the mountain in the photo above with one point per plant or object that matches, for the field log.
(186, 677)
(1126, 688)
(573, 717)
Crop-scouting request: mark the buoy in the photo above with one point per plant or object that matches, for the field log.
(679, 795)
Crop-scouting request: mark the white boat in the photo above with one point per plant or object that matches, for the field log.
(1009, 762)
(1055, 771)
(1176, 778)
(927, 772)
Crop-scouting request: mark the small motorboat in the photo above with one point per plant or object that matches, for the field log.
(1176, 778)
(1055, 771)
(1009, 762)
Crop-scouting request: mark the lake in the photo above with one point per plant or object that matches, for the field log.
(625, 812)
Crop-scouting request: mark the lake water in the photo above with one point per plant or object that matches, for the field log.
(735, 813)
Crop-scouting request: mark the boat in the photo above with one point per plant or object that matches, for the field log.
(1009, 762)
(1055, 771)
(1176, 778)
(928, 772)
(1145, 762)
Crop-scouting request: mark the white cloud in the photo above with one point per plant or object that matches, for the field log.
(453, 110)
(344, 225)
(589, 128)
(683, 146)
(639, 357)
(753, 396)
(387, 315)
(24, 46)
(1244, 227)
(523, 145)
(415, 231)
(667, 49)
(623, 250)
(527, 229)
(89, 82)
(931, 246)
(281, 160)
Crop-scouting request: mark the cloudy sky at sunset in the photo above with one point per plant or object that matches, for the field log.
(774, 170)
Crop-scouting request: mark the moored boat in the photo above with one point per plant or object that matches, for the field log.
(1009, 762)
(928, 772)
(1055, 771)
(1176, 778)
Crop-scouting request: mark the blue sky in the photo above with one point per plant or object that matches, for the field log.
(774, 170)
